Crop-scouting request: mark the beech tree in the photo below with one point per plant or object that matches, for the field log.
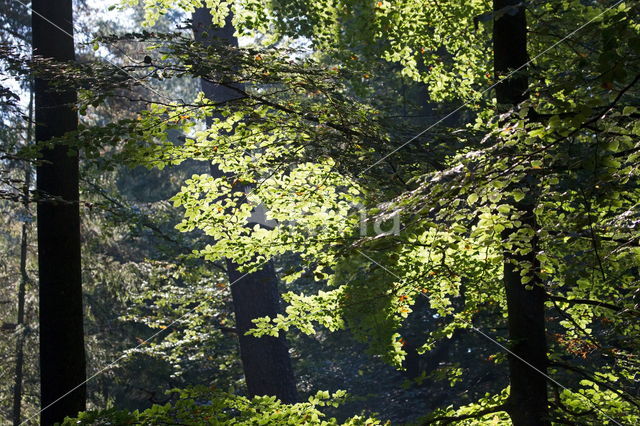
(489, 223)
(62, 357)
(527, 404)
(265, 361)
(518, 228)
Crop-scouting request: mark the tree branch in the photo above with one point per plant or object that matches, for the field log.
(596, 303)
(445, 420)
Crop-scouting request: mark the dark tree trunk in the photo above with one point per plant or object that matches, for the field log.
(528, 404)
(16, 412)
(62, 357)
(265, 361)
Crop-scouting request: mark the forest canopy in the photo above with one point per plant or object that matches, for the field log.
(338, 212)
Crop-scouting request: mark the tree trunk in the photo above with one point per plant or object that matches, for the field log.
(62, 357)
(528, 404)
(16, 412)
(265, 361)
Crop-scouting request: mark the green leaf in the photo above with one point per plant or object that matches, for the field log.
(518, 195)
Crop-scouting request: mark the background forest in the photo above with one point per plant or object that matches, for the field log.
(331, 212)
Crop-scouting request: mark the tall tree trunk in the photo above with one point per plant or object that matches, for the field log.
(265, 361)
(528, 404)
(16, 413)
(62, 357)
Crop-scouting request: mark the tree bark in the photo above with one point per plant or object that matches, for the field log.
(265, 361)
(528, 403)
(62, 354)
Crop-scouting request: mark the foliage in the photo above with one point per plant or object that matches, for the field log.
(204, 406)
(312, 142)
(575, 139)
